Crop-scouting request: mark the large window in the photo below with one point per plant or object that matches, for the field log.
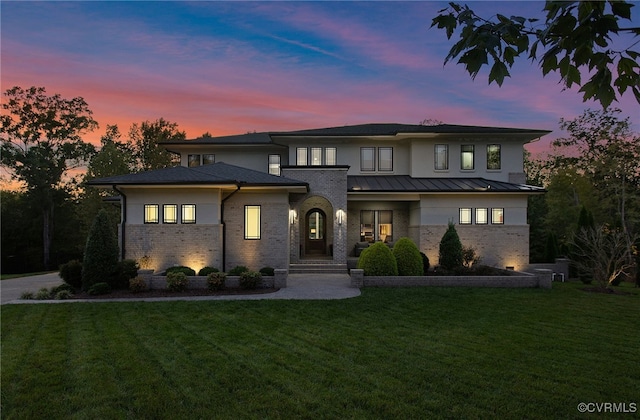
(493, 156)
(301, 156)
(188, 213)
(274, 165)
(208, 159)
(151, 213)
(376, 225)
(368, 159)
(385, 159)
(170, 213)
(465, 216)
(467, 156)
(193, 160)
(251, 222)
(441, 154)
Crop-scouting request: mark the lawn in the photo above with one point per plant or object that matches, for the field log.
(391, 353)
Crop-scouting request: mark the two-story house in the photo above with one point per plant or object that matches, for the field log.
(284, 198)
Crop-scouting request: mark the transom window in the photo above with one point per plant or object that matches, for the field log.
(376, 225)
(251, 222)
(493, 157)
(441, 154)
(170, 213)
(151, 213)
(467, 152)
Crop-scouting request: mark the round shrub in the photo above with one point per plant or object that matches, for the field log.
(216, 280)
(63, 287)
(27, 296)
(177, 281)
(71, 273)
(267, 271)
(237, 270)
(408, 258)
(188, 271)
(137, 284)
(250, 279)
(205, 271)
(99, 289)
(378, 260)
(43, 294)
(100, 253)
(63, 295)
(125, 271)
(450, 255)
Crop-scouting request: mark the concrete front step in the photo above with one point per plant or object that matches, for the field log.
(317, 267)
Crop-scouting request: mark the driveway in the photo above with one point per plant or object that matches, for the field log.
(12, 289)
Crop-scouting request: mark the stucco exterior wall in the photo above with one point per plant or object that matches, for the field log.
(207, 201)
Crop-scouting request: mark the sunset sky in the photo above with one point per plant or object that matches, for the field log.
(234, 67)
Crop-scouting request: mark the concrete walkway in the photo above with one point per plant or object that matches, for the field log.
(299, 287)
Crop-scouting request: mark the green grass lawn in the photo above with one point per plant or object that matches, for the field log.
(391, 353)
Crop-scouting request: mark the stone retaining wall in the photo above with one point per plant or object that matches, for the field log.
(278, 280)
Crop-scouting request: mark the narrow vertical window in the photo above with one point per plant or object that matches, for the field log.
(441, 154)
(208, 159)
(385, 226)
(467, 156)
(274, 165)
(465, 216)
(170, 213)
(482, 216)
(366, 226)
(493, 157)
(367, 158)
(194, 160)
(316, 156)
(385, 159)
(188, 213)
(301, 156)
(151, 213)
(497, 216)
(251, 222)
(330, 156)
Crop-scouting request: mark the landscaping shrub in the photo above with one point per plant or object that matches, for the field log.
(267, 271)
(71, 273)
(250, 279)
(450, 254)
(425, 262)
(101, 288)
(469, 256)
(177, 281)
(43, 294)
(205, 271)
(408, 258)
(237, 270)
(63, 295)
(216, 280)
(137, 284)
(63, 287)
(100, 253)
(125, 271)
(27, 295)
(378, 260)
(188, 271)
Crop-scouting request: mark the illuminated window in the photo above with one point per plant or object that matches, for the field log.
(316, 156)
(330, 156)
(170, 213)
(465, 216)
(367, 158)
(493, 156)
(208, 159)
(301, 156)
(466, 156)
(497, 216)
(316, 225)
(482, 216)
(376, 225)
(251, 222)
(385, 159)
(194, 160)
(441, 157)
(151, 213)
(274, 165)
(188, 213)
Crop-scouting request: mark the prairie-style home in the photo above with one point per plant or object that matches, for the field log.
(286, 199)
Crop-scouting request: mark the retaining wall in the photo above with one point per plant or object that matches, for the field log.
(278, 280)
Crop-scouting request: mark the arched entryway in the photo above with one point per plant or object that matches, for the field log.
(315, 232)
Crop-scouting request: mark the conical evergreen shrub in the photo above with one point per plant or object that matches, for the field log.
(450, 249)
(100, 253)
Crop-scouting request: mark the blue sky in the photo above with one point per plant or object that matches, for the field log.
(234, 67)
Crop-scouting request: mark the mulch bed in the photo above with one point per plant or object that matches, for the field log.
(157, 293)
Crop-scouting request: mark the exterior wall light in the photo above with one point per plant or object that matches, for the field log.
(292, 216)
(340, 216)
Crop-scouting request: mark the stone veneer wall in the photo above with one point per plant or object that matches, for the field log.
(166, 245)
(497, 245)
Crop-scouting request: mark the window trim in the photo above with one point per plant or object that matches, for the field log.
(373, 158)
(164, 214)
(472, 151)
(446, 157)
(499, 152)
(248, 235)
(183, 219)
(460, 213)
(380, 160)
(148, 221)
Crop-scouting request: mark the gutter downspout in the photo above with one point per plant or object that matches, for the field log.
(224, 228)
(123, 220)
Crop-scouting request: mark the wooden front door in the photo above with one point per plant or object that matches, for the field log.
(315, 242)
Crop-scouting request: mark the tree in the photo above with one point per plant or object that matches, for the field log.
(113, 158)
(574, 40)
(41, 142)
(145, 138)
(450, 251)
(101, 252)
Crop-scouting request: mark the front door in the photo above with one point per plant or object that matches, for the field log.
(316, 232)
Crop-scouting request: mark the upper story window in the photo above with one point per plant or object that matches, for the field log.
(316, 156)
(208, 159)
(441, 154)
(467, 152)
(385, 159)
(170, 213)
(368, 159)
(301, 156)
(330, 156)
(274, 165)
(193, 160)
(493, 156)
(151, 213)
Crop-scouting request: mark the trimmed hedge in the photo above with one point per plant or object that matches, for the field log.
(378, 260)
(188, 271)
(408, 258)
